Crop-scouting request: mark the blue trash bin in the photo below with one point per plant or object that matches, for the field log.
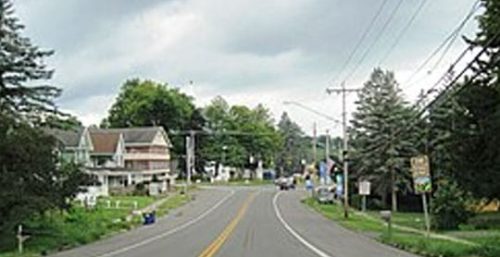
(149, 218)
(152, 216)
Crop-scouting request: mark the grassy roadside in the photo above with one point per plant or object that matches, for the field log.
(58, 231)
(412, 242)
(172, 203)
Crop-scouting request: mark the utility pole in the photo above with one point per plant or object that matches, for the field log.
(343, 90)
(188, 160)
(327, 145)
(193, 155)
(314, 144)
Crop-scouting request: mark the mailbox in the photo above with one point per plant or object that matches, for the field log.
(386, 215)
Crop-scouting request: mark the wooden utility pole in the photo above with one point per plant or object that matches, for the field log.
(343, 91)
(394, 196)
(188, 160)
(314, 142)
(327, 145)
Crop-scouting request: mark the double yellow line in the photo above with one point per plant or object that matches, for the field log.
(228, 230)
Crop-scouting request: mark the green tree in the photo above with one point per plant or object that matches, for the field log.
(220, 147)
(237, 132)
(449, 206)
(64, 121)
(258, 134)
(464, 122)
(379, 154)
(477, 159)
(31, 178)
(21, 68)
(148, 103)
(293, 147)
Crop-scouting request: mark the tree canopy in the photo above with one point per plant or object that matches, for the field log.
(21, 69)
(238, 133)
(149, 103)
(293, 148)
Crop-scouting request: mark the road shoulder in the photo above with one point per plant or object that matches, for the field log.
(329, 237)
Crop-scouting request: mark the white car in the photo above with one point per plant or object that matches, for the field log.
(284, 183)
(324, 194)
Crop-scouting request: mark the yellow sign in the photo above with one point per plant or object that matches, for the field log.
(420, 166)
(421, 174)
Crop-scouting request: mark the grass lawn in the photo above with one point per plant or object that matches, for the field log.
(413, 242)
(172, 203)
(57, 231)
(407, 219)
(127, 201)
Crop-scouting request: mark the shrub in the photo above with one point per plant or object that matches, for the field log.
(449, 206)
(488, 220)
(140, 189)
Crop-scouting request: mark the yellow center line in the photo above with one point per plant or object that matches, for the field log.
(228, 230)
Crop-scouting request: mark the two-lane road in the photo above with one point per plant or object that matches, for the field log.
(239, 221)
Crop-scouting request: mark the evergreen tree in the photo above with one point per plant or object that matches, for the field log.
(465, 121)
(32, 180)
(22, 66)
(293, 146)
(378, 154)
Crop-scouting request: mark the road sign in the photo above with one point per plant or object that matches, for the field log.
(421, 174)
(422, 182)
(364, 187)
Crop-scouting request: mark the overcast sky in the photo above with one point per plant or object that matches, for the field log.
(247, 51)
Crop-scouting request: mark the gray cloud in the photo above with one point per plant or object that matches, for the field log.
(264, 50)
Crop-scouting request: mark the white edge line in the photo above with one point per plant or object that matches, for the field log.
(169, 232)
(295, 234)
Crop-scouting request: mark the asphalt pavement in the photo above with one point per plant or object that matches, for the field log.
(239, 221)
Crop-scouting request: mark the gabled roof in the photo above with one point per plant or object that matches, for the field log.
(105, 142)
(138, 135)
(68, 138)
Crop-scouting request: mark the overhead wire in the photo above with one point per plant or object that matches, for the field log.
(378, 37)
(360, 41)
(443, 94)
(403, 31)
(452, 36)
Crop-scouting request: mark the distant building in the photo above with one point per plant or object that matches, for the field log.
(120, 158)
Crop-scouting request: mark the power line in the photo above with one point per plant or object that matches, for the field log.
(379, 35)
(443, 93)
(450, 37)
(403, 31)
(222, 132)
(361, 39)
(328, 117)
(450, 44)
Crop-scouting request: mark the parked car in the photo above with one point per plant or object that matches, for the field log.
(285, 183)
(324, 194)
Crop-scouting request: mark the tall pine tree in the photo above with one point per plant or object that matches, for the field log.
(21, 67)
(378, 154)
